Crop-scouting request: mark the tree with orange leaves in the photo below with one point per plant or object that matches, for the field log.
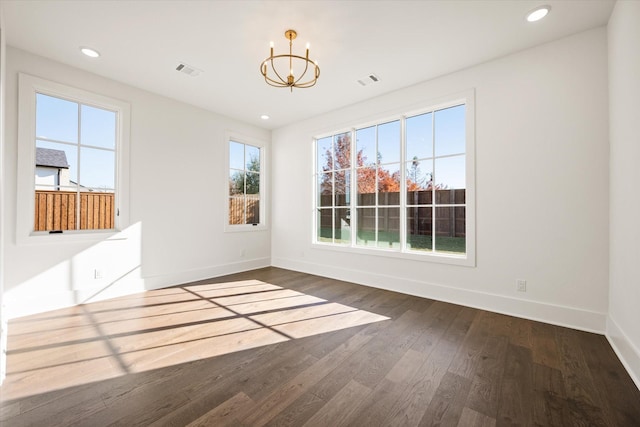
(387, 182)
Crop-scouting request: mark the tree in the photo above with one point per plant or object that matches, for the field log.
(367, 172)
(247, 182)
(414, 182)
(388, 182)
(341, 158)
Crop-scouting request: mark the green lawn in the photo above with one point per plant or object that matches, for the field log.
(391, 240)
(443, 244)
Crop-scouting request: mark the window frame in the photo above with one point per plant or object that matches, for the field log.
(254, 142)
(28, 87)
(469, 257)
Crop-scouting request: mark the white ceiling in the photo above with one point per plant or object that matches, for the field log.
(403, 42)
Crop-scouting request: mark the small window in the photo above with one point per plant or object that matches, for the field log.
(72, 176)
(245, 198)
(75, 165)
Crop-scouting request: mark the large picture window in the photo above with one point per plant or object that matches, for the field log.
(72, 174)
(411, 176)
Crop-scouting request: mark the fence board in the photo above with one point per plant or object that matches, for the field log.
(57, 207)
(71, 211)
(108, 207)
(95, 220)
(64, 215)
(49, 212)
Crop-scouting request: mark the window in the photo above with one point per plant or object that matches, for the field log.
(245, 187)
(75, 165)
(334, 189)
(378, 184)
(70, 159)
(412, 181)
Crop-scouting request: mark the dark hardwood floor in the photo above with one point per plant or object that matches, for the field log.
(277, 347)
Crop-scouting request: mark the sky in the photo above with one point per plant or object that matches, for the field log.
(449, 138)
(86, 134)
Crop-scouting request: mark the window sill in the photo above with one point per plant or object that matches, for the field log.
(441, 258)
(70, 236)
(244, 228)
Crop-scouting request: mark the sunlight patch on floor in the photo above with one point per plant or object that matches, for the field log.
(162, 328)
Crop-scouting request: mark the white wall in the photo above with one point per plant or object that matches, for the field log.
(3, 311)
(46, 177)
(176, 231)
(541, 188)
(623, 328)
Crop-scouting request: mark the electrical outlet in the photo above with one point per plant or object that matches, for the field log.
(97, 274)
(521, 285)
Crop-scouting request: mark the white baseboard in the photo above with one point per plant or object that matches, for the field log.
(571, 317)
(164, 280)
(624, 348)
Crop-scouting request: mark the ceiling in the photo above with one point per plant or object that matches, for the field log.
(402, 42)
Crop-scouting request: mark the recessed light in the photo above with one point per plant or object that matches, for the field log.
(264, 117)
(91, 53)
(538, 13)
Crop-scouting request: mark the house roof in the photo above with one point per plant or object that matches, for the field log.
(51, 158)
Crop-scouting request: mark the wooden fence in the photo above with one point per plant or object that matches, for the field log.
(57, 210)
(238, 207)
(450, 220)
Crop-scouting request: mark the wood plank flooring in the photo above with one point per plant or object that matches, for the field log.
(274, 347)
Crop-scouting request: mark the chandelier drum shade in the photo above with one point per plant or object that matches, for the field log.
(289, 70)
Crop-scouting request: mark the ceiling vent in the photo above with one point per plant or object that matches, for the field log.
(188, 69)
(371, 78)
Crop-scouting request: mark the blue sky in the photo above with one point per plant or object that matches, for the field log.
(241, 155)
(85, 133)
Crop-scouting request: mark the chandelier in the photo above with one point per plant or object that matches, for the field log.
(276, 66)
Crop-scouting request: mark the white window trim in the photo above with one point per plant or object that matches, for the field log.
(27, 88)
(469, 258)
(243, 139)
